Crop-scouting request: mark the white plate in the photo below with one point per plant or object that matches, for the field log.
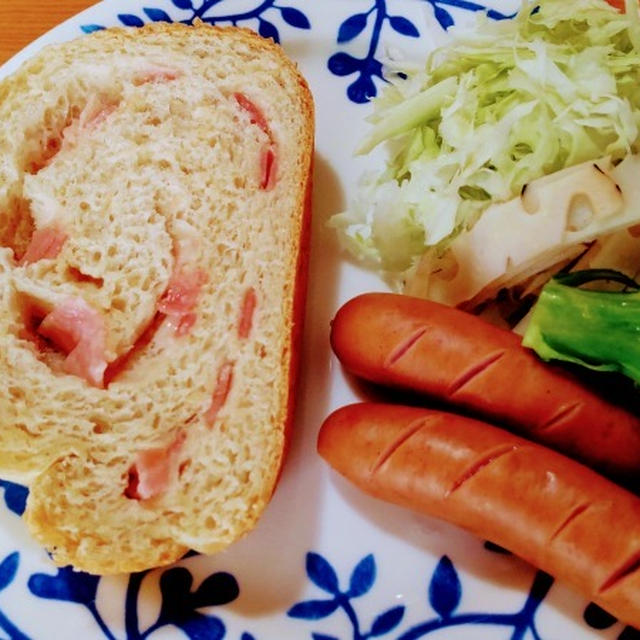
(325, 562)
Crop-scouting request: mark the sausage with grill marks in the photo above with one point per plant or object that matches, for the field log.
(551, 511)
(460, 359)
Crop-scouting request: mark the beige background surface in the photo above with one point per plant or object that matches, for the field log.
(22, 21)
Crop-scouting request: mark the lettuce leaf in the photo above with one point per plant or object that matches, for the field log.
(592, 328)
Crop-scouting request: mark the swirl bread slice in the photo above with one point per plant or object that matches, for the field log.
(154, 189)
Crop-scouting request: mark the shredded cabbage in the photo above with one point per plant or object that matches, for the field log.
(500, 106)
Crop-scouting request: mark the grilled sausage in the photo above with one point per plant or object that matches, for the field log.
(460, 359)
(552, 511)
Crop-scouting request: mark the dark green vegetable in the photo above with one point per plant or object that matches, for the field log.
(596, 329)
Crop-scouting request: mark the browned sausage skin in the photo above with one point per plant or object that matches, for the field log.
(459, 358)
(552, 511)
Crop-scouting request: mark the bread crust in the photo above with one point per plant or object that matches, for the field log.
(79, 506)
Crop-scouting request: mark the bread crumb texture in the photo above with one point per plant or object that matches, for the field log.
(152, 198)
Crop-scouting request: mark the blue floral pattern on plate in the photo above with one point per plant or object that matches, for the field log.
(369, 24)
(180, 603)
(264, 13)
(204, 612)
(444, 595)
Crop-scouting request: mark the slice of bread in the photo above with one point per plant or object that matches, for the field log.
(154, 190)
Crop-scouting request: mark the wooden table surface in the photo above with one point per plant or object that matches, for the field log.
(22, 21)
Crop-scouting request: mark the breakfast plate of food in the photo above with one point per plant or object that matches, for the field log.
(320, 321)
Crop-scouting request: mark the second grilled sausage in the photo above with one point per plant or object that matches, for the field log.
(552, 511)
